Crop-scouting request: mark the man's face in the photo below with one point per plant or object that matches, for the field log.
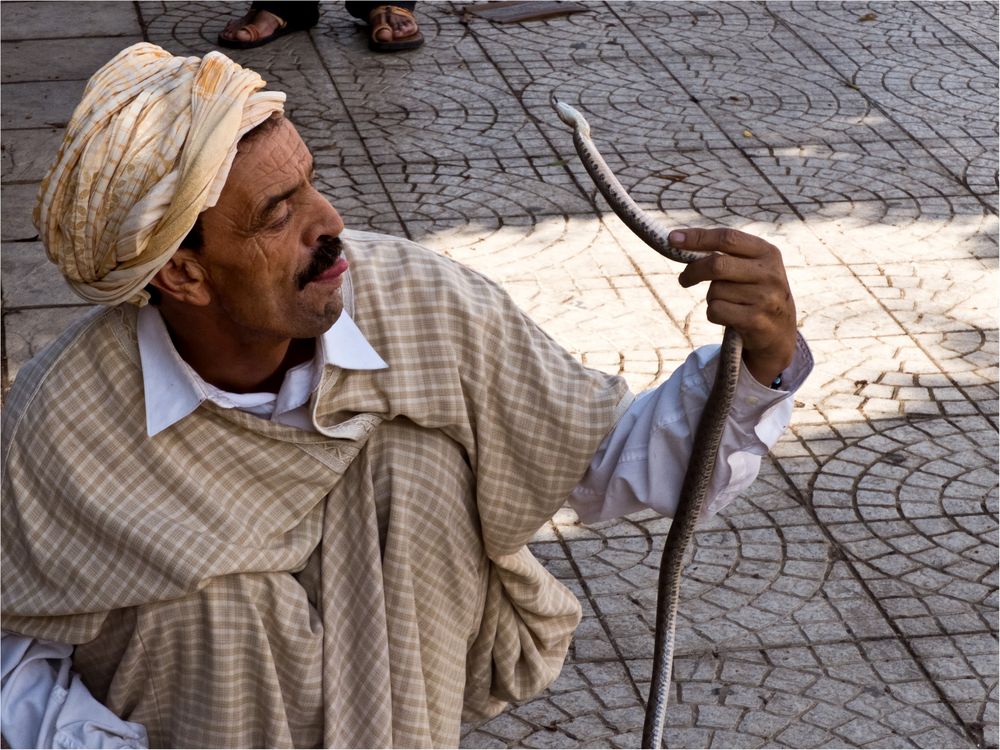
(271, 253)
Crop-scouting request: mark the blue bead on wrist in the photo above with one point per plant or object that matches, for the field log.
(776, 383)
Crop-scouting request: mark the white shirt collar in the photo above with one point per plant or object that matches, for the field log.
(173, 389)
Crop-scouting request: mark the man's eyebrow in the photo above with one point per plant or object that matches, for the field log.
(274, 200)
(270, 204)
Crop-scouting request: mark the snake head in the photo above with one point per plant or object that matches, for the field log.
(571, 117)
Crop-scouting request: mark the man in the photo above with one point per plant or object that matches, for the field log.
(287, 504)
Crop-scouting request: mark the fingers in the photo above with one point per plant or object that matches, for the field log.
(768, 337)
(748, 291)
(744, 294)
(726, 268)
(742, 317)
(747, 307)
(733, 256)
(721, 240)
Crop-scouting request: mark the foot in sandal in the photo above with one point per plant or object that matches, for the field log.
(393, 29)
(255, 29)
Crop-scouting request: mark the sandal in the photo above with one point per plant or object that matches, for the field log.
(378, 20)
(256, 40)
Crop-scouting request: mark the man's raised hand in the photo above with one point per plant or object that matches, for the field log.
(748, 291)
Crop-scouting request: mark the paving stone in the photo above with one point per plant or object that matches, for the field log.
(629, 739)
(827, 716)
(28, 154)
(549, 738)
(506, 727)
(687, 738)
(861, 731)
(577, 702)
(616, 103)
(586, 729)
(778, 111)
(799, 735)
(762, 724)
(481, 739)
(940, 737)
(929, 228)
(602, 674)
(18, 204)
(936, 567)
(626, 719)
(47, 104)
(616, 696)
(721, 717)
(568, 679)
(593, 649)
(47, 20)
(60, 59)
(29, 279)
(728, 739)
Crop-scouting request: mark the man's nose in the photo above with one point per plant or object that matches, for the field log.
(325, 221)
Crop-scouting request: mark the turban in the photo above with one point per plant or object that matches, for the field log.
(148, 149)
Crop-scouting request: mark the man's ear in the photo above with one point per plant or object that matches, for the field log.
(183, 279)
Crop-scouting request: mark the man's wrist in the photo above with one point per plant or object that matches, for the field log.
(766, 369)
(792, 375)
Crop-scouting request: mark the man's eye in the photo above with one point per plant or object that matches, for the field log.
(282, 220)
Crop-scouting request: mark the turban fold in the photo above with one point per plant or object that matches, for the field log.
(148, 149)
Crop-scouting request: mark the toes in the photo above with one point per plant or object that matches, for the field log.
(390, 25)
(402, 26)
(233, 27)
(252, 26)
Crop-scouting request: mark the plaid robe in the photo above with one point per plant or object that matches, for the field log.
(235, 582)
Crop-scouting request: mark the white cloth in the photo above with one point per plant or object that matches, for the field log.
(641, 463)
(174, 390)
(44, 704)
(638, 465)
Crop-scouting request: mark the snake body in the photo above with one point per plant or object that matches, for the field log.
(707, 437)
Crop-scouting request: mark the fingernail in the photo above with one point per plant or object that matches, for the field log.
(676, 238)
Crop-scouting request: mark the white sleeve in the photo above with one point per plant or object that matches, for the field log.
(641, 462)
(44, 704)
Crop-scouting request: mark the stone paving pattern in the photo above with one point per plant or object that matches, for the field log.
(849, 599)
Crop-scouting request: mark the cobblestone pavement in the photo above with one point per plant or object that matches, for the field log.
(850, 598)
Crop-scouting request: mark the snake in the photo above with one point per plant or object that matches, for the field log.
(708, 435)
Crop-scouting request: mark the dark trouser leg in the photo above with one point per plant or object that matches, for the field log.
(298, 15)
(362, 10)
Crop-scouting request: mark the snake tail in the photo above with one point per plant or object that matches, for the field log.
(694, 491)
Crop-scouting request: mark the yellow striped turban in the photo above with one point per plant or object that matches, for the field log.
(148, 149)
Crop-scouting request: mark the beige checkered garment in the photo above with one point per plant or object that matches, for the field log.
(234, 582)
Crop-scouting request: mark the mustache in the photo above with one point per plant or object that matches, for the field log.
(328, 250)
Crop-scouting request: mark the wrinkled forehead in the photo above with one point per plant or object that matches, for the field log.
(275, 135)
(268, 160)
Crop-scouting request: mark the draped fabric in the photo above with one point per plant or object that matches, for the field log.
(234, 582)
(148, 148)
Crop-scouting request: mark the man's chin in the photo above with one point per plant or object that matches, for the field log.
(330, 315)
